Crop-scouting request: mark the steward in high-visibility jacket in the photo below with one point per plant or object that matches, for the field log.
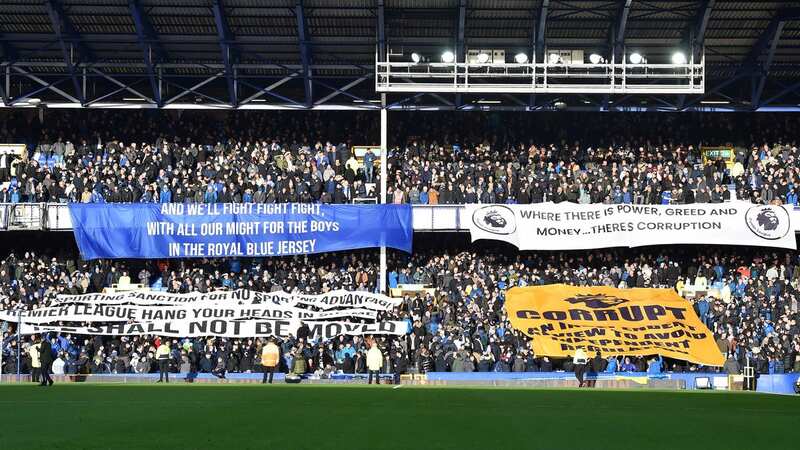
(374, 363)
(36, 363)
(162, 355)
(270, 355)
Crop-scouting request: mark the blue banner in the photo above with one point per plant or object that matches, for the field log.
(199, 230)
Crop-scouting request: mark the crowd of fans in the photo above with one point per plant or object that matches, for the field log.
(247, 157)
(460, 326)
(172, 156)
(636, 158)
(204, 163)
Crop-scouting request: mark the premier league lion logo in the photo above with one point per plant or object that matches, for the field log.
(495, 219)
(768, 221)
(597, 301)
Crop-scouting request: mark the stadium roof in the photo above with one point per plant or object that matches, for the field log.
(321, 53)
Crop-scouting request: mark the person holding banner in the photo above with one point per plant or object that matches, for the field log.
(596, 366)
(46, 358)
(579, 360)
(270, 355)
(162, 355)
(374, 363)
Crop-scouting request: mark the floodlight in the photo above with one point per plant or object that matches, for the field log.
(483, 58)
(678, 58)
(636, 58)
(448, 57)
(521, 58)
(416, 58)
(594, 58)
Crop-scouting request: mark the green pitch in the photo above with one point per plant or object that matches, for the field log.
(239, 417)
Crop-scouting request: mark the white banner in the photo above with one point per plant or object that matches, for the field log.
(329, 300)
(239, 313)
(99, 312)
(225, 328)
(570, 226)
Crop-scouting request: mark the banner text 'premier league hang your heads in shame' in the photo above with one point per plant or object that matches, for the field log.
(198, 230)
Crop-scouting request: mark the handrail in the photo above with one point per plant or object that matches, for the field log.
(55, 217)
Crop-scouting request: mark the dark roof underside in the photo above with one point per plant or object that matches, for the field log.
(186, 44)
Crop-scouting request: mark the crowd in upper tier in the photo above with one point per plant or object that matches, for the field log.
(749, 299)
(160, 157)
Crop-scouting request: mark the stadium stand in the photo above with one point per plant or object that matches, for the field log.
(453, 296)
(748, 299)
(268, 161)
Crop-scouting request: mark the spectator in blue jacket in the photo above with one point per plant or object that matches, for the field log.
(791, 197)
(702, 310)
(166, 195)
(611, 367)
(97, 197)
(628, 365)
(210, 195)
(369, 165)
(423, 196)
(654, 365)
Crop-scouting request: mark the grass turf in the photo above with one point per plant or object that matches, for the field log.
(239, 417)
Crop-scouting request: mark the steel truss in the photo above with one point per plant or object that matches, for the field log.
(186, 86)
(241, 78)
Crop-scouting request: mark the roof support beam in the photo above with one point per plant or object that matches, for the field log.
(622, 24)
(69, 40)
(194, 90)
(786, 90)
(698, 33)
(695, 36)
(716, 89)
(537, 49)
(266, 90)
(460, 50)
(769, 41)
(305, 51)
(540, 32)
(751, 67)
(123, 86)
(146, 35)
(225, 42)
(381, 31)
(343, 90)
(46, 86)
(269, 92)
(462, 18)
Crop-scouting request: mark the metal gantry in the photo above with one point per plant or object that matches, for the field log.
(541, 78)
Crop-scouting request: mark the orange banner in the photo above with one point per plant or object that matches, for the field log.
(562, 318)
